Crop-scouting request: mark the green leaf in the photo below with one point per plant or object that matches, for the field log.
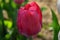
(8, 24)
(13, 4)
(3, 29)
(55, 25)
(7, 36)
(43, 9)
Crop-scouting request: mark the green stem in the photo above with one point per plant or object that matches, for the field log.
(30, 38)
(55, 35)
(21, 37)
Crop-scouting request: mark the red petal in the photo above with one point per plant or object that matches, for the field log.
(27, 6)
(33, 4)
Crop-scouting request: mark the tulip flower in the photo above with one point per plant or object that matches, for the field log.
(29, 19)
(19, 1)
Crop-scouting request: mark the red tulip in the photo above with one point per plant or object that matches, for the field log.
(19, 1)
(29, 20)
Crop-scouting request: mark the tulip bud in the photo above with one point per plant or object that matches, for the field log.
(58, 6)
(19, 1)
(29, 19)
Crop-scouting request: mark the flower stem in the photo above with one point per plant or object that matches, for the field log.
(30, 38)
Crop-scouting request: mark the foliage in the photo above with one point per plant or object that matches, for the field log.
(55, 25)
(8, 30)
